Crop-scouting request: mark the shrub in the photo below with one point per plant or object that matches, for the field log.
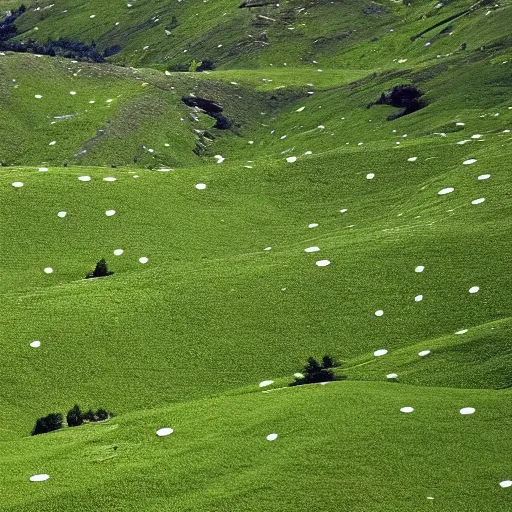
(89, 415)
(329, 362)
(101, 270)
(206, 65)
(403, 96)
(47, 424)
(102, 414)
(193, 66)
(314, 373)
(74, 417)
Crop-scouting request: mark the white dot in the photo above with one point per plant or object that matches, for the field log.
(200, 186)
(43, 169)
(73, 93)
(92, 16)
(143, 259)
(412, 159)
(424, 353)
(17, 184)
(370, 176)
(312, 249)
(48, 270)
(406, 409)
(52, 143)
(480, 200)
(118, 252)
(418, 298)
(35, 344)
(469, 162)
(92, 102)
(379, 312)
(109, 213)
(474, 289)
(484, 177)
(462, 331)
(313, 225)
(265, 383)
(109, 179)
(322, 263)
(271, 437)
(476, 136)
(162, 432)
(300, 109)
(344, 210)
(291, 159)
(84, 178)
(268, 248)
(445, 191)
(419, 269)
(391, 376)
(61, 214)
(39, 478)
(506, 483)
(380, 352)
(467, 410)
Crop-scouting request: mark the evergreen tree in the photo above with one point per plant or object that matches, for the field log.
(102, 414)
(101, 270)
(89, 415)
(74, 417)
(329, 362)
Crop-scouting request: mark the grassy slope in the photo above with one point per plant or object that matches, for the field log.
(212, 312)
(346, 445)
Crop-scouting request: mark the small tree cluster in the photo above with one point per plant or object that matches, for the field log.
(61, 47)
(99, 415)
(315, 372)
(47, 424)
(101, 270)
(74, 418)
(7, 27)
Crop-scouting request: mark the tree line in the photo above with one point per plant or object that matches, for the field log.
(74, 418)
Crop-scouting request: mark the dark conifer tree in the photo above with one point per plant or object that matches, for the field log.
(74, 417)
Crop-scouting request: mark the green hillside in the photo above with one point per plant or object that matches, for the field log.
(310, 225)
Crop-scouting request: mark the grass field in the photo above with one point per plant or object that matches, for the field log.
(229, 297)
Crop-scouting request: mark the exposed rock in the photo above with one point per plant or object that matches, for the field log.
(258, 3)
(211, 109)
(374, 8)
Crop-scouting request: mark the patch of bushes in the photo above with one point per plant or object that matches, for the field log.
(62, 48)
(48, 423)
(74, 418)
(7, 27)
(101, 270)
(406, 97)
(315, 372)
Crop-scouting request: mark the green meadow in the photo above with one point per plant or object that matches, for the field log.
(314, 225)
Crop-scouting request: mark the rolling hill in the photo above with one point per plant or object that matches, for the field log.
(312, 225)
